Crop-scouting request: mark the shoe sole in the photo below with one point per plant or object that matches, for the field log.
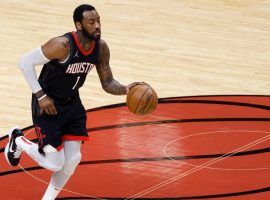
(7, 146)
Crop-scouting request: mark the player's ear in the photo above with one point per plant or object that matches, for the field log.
(78, 26)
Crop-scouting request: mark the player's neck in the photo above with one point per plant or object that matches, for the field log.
(84, 41)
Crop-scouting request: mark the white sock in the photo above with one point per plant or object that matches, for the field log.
(51, 193)
(58, 181)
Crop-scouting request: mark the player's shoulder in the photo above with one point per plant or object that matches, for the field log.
(61, 42)
(56, 48)
(103, 46)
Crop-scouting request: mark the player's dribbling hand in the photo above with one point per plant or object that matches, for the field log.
(134, 84)
(47, 106)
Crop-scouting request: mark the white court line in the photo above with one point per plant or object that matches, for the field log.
(197, 168)
(47, 183)
(215, 168)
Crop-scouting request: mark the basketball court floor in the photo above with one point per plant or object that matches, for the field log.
(209, 136)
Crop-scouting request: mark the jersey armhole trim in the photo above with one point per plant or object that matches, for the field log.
(66, 59)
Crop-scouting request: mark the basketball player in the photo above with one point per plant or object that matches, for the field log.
(58, 114)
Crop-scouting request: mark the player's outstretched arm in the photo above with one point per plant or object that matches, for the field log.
(109, 84)
(56, 48)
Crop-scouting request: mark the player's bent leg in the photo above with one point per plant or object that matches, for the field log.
(52, 160)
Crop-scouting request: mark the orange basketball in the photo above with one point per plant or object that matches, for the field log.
(142, 99)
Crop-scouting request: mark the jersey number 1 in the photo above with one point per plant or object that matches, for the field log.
(77, 81)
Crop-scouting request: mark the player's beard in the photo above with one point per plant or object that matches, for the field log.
(89, 35)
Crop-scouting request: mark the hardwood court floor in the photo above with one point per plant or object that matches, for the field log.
(206, 147)
(184, 47)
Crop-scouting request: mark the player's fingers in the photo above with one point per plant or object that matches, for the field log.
(134, 84)
(130, 86)
(48, 110)
(140, 83)
(53, 109)
(143, 83)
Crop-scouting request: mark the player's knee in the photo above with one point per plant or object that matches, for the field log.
(54, 161)
(71, 163)
(59, 164)
(55, 168)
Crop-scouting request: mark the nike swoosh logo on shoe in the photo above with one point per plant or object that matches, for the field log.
(10, 147)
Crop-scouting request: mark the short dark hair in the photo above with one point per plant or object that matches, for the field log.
(78, 12)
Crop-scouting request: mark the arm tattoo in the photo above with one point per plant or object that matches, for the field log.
(109, 84)
(114, 87)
